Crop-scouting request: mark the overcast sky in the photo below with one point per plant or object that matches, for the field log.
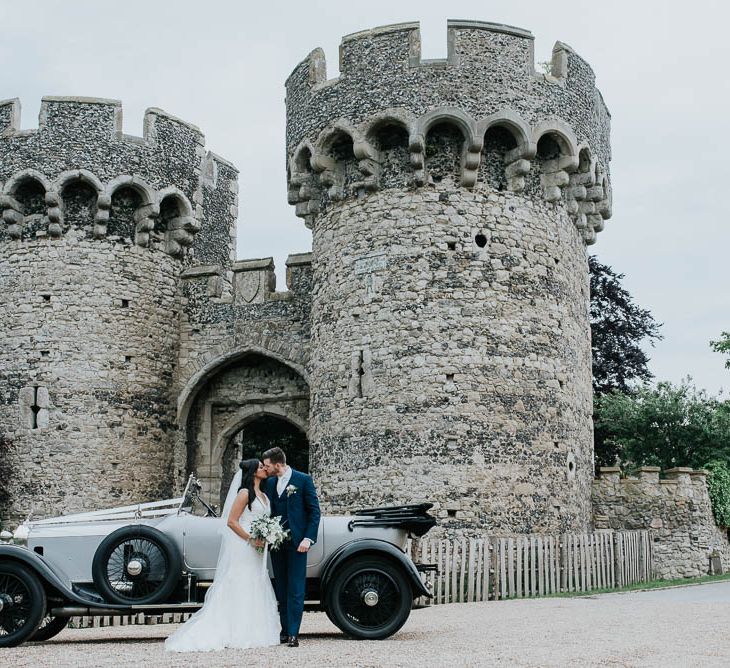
(662, 68)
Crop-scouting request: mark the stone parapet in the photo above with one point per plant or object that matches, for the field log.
(299, 272)
(79, 173)
(676, 507)
(388, 109)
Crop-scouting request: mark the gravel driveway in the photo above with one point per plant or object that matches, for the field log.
(682, 627)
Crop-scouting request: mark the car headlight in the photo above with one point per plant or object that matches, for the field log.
(20, 535)
(5, 536)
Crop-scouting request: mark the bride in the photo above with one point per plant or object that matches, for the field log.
(240, 607)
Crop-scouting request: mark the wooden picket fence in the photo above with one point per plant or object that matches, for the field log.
(492, 568)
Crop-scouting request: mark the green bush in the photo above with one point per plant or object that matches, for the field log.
(666, 425)
(718, 485)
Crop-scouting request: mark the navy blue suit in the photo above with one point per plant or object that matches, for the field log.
(299, 512)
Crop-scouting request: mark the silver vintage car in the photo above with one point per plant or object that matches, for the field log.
(161, 557)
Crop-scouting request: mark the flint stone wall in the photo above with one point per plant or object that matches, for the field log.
(450, 204)
(97, 228)
(458, 376)
(494, 63)
(677, 509)
(243, 352)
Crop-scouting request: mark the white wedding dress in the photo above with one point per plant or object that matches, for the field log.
(240, 606)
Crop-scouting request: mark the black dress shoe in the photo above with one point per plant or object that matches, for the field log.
(283, 638)
(293, 641)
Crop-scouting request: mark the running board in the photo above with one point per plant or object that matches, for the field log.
(81, 611)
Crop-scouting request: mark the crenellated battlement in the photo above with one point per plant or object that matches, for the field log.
(94, 117)
(471, 45)
(79, 171)
(676, 506)
(393, 120)
(253, 281)
(672, 479)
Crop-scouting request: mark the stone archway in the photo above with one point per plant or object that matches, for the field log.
(258, 434)
(236, 402)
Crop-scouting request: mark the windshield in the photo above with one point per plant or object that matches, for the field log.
(191, 502)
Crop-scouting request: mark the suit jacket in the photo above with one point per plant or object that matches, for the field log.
(299, 510)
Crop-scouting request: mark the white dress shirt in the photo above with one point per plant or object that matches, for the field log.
(283, 480)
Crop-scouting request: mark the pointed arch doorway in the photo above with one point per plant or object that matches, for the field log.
(258, 435)
(242, 407)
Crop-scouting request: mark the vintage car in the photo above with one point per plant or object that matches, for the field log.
(161, 556)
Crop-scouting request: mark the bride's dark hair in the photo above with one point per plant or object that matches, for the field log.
(248, 473)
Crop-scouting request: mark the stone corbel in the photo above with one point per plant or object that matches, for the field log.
(417, 150)
(369, 165)
(517, 165)
(589, 235)
(54, 213)
(180, 235)
(600, 197)
(555, 176)
(12, 215)
(304, 196)
(371, 171)
(144, 219)
(101, 218)
(329, 175)
(470, 166)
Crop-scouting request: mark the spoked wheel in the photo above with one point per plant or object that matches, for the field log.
(369, 598)
(136, 565)
(22, 604)
(50, 627)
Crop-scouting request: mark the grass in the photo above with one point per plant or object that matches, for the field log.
(642, 586)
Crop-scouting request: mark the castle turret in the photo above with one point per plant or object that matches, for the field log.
(96, 228)
(451, 203)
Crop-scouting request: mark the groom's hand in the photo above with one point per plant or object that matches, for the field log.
(304, 545)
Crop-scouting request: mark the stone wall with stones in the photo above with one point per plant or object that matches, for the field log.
(254, 386)
(450, 204)
(242, 354)
(97, 227)
(676, 508)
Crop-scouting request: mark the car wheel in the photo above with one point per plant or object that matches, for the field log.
(369, 598)
(136, 565)
(50, 627)
(22, 604)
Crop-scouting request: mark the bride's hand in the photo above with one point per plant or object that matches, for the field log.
(258, 543)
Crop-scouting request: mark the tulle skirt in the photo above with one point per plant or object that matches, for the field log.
(240, 606)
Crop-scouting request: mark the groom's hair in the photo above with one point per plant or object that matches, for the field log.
(275, 455)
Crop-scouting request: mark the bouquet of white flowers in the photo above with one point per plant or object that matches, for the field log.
(269, 530)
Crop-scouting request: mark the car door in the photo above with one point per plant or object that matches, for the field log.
(201, 544)
(316, 552)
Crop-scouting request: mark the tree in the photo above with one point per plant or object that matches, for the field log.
(718, 487)
(722, 345)
(618, 327)
(665, 426)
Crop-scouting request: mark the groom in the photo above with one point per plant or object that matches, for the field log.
(294, 499)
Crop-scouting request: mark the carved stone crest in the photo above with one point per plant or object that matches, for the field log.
(248, 284)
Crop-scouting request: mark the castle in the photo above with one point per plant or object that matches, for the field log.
(434, 345)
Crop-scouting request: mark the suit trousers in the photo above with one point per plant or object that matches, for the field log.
(290, 580)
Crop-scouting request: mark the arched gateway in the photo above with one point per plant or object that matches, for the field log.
(247, 405)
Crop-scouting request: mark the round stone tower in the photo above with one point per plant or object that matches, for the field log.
(451, 203)
(96, 228)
